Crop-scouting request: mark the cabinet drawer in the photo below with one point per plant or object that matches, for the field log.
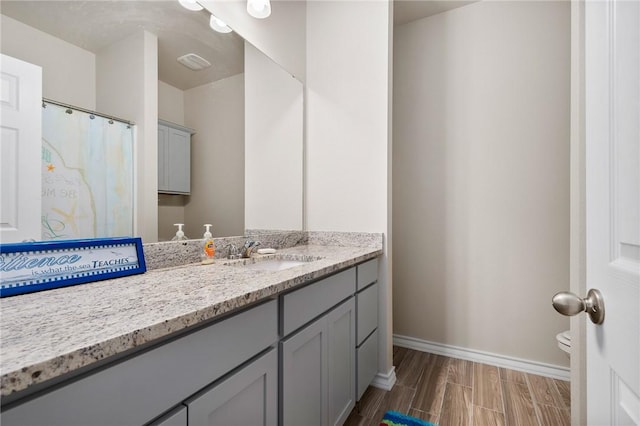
(367, 273)
(140, 388)
(301, 306)
(367, 360)
(248, 397)
(367, 308)
(177, 417)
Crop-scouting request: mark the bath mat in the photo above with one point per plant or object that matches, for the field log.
(393, 418)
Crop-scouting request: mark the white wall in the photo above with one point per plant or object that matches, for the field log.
(281, 36)
(348, 121)
(273, 144)
(131, 92)
(216, 112)
(68, 72)
(170, 103)
(481, 177)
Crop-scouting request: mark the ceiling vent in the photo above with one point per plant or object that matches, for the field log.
(194, 62)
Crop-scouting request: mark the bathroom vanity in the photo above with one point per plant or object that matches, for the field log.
(195, 345)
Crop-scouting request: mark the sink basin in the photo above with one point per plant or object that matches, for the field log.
(275, 265)
(272, 262)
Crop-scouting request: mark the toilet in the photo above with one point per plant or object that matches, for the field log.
(564, 341)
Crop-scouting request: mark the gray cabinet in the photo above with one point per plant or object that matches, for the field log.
(141, 388)
(318, 370)
(303, 377)
(367, 361)
(367, 305)
(246, 398)
(301, 306)
(177, 417)
(367, 330)
(174, 158)
(367, 273)
(230, 373)
(341, 368)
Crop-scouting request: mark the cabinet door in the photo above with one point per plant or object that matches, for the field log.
(179, 153)
(163, 158)
(304, 376)
(248, 397)
(341, 342)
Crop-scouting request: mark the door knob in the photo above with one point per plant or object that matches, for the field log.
(569, 304)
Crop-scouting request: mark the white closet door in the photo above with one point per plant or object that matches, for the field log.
(20, 145)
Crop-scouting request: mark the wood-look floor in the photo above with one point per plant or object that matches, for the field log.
(448, 391)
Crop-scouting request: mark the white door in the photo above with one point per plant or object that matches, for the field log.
(612, 66)
(20, 146)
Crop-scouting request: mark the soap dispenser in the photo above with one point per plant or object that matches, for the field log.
(209, 249)
(179, 234)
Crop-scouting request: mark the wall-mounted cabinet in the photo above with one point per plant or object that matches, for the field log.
(174, 158)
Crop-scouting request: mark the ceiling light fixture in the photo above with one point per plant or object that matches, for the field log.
(218, 25)
(190, 5)
(259, 8)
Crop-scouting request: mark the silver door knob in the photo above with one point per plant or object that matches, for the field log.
(569, 304)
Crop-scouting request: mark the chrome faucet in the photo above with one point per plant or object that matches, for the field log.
(249, 247)
(234, 252)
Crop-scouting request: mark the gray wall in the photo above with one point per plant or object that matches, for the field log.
(481, 177)
(216, 112)
(68, 72)
(272, 144)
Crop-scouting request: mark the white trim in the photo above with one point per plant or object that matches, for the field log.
(385, 381)
(525, 365)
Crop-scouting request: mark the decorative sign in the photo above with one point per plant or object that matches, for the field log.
(45, 265)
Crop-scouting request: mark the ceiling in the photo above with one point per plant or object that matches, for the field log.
(93, 25)
(410, 10)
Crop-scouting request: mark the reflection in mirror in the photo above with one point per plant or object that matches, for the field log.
(236, 184)
(87, 175)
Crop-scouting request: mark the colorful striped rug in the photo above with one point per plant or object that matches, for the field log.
(393, 418)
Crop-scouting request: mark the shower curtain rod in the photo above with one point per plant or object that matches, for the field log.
(110, 117)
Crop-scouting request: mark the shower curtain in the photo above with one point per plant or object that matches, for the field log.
(87, 175)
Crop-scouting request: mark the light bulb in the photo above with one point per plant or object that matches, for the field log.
(218, 25)
(190, 5)
(259, 8)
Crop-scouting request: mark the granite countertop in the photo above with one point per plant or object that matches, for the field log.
(47, 334)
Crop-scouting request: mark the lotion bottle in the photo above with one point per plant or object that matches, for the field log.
(209, 249)
(180, 233)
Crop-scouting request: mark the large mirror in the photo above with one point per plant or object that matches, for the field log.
(244, 110)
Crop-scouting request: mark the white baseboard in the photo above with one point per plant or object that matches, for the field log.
(527, 366)
(385, 381)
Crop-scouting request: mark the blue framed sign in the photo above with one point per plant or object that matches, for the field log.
(45, 265)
